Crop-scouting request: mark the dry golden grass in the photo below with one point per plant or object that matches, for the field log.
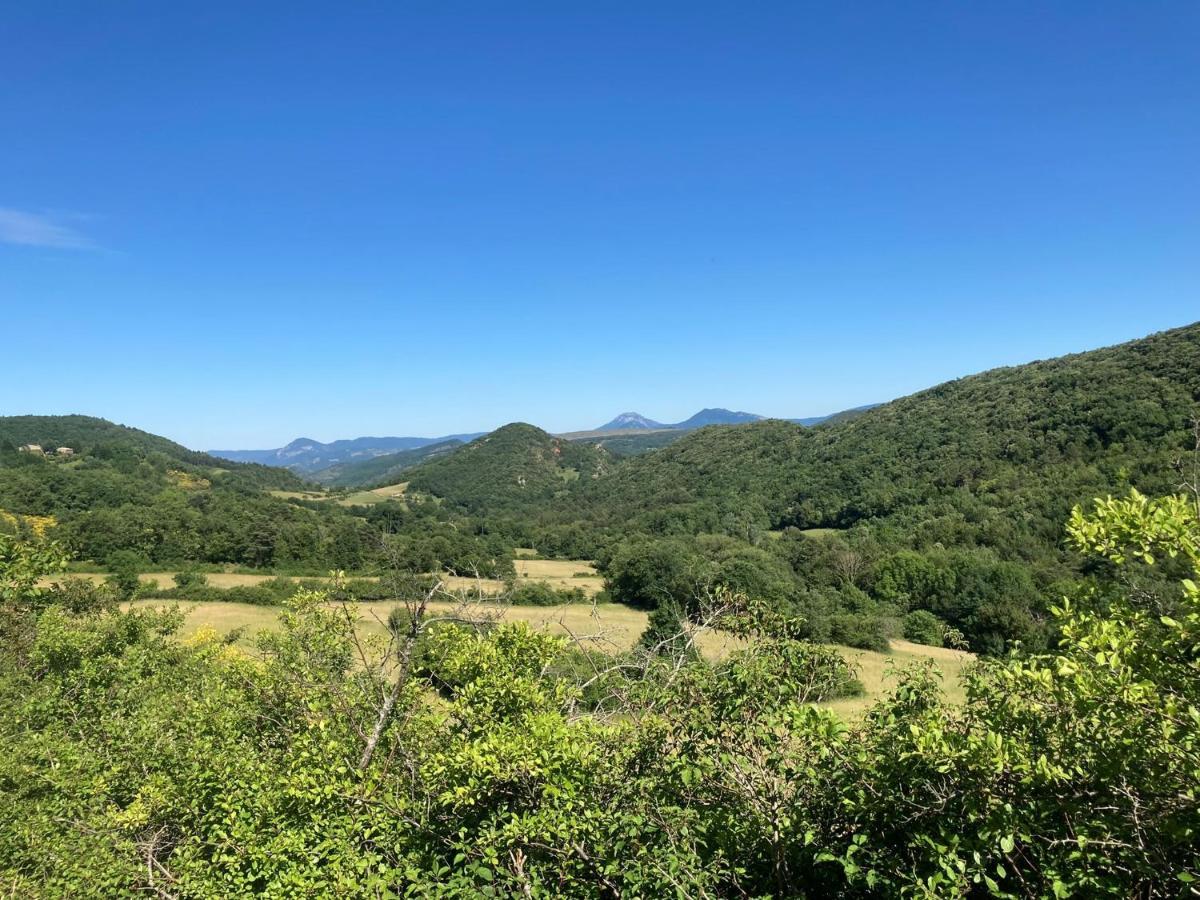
(819, 532)
(357, 498)
(561, 573)
(223, 618)
(299, 495)
(376, 495)
(392, 490)
(555, 572)
(877, 672)
(166, 579)
(467, 583)
(608, 627)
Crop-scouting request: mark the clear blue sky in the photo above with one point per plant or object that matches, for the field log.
(233, 224)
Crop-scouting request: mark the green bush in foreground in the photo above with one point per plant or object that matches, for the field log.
(133, 763)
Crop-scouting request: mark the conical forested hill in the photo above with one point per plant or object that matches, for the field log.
(517, 466)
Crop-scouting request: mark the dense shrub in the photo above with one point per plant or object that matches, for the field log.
(864, 632)
(539, 593)
(923, 627)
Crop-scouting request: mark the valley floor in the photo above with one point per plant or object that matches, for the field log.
(610, 627)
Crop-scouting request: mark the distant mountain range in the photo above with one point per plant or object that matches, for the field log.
(306, 456)
(359, 460)
(630, 421)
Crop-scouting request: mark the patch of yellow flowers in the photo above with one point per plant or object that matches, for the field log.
(39, 525)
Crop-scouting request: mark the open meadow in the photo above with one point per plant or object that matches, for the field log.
(561, 573)
(609, 627)
(558, 573)
(355, 498)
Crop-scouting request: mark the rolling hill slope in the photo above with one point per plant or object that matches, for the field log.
(122, 489)
(91, 437)
(516, 466)
(1000, 456)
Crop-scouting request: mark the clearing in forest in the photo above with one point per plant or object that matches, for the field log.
(608, 626)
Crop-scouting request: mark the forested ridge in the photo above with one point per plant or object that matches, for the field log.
(126, 491)
(948, 503)
(385, 469)
(1027, 439)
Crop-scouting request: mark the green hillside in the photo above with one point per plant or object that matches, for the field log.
(92, 437)
(380, 470)
(635, 444)
(948, 504)
(515, 467)
(1002, 455)
(124, 489)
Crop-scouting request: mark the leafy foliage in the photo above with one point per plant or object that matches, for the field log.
(133, 762)
(509, 469)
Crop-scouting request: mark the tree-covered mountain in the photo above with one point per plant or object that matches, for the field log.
(633, 443)
(515, 467)
(1008, 450)
(948, 504)
(716, 417)
(842, 416)
(630, 420)
(1002, 452)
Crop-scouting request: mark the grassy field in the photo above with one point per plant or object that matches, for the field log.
(556, 572)
(357, 498)
(561, 573)
(875, 671)
(376, 495)
(299, 495)
(609, 627)
(819, 532)
(166, 579)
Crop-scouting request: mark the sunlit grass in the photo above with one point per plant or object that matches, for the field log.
(610, 627)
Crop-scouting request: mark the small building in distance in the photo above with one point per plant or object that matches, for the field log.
(65, 451)
(31, 448)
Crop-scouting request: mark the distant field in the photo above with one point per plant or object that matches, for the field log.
(378, 495)
(556, 572)
(875, 670)
(299, 495)
(166, 579)
(561, 573)
(358, 498)
(819, 532)
(606, 626)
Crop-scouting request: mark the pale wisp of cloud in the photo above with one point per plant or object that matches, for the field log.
(30, 229)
